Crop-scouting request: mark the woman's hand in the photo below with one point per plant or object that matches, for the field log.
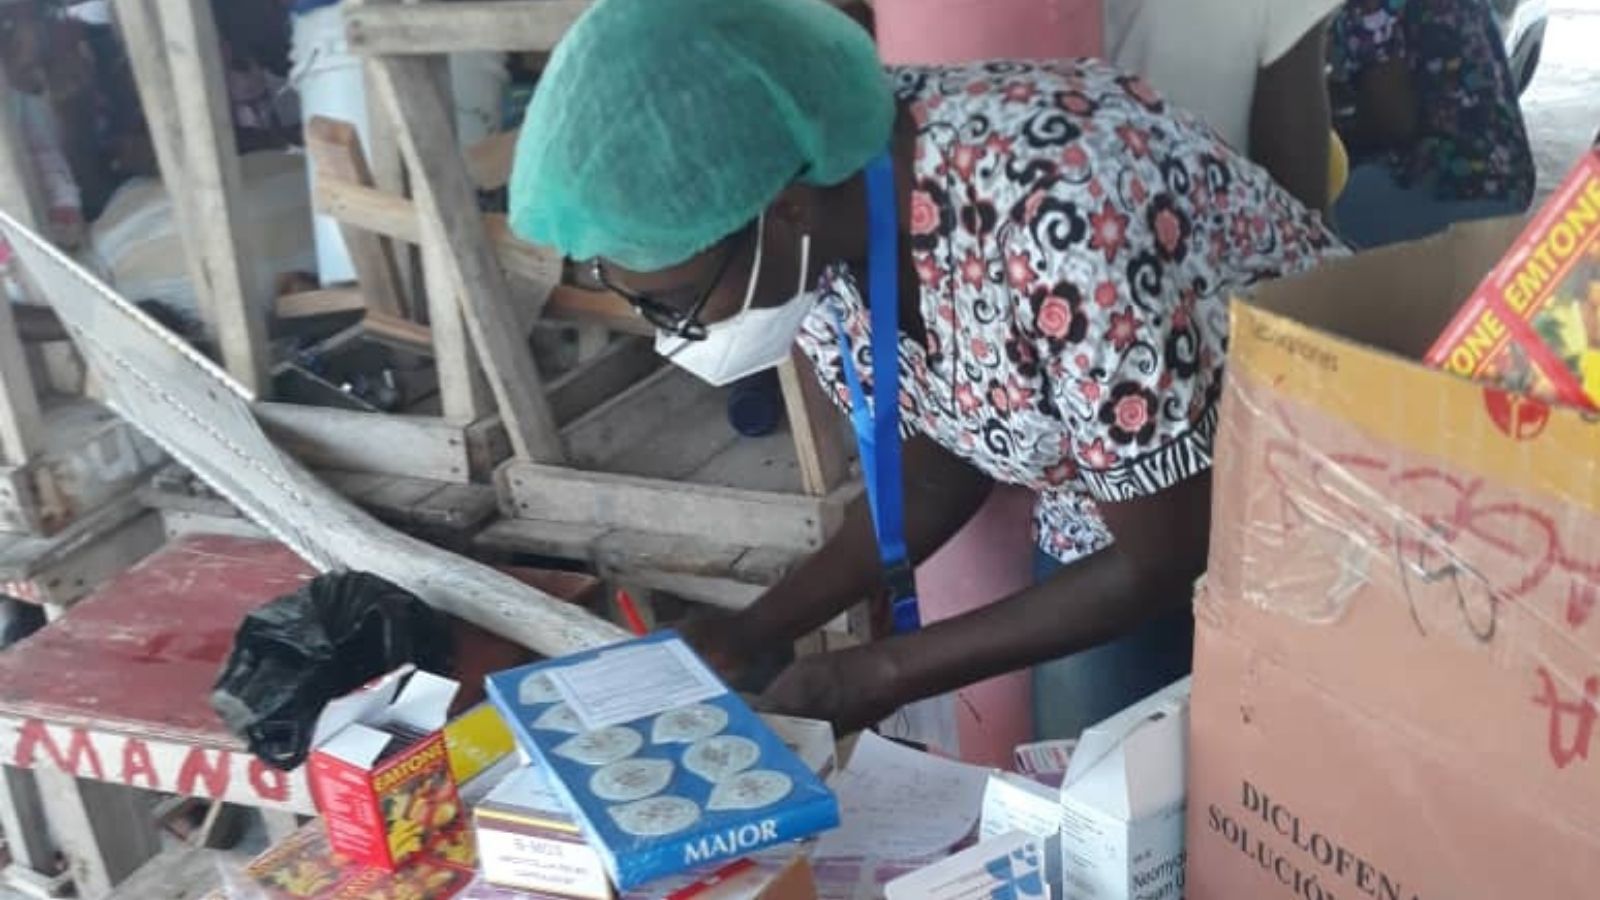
(853, 689)
(720, 641)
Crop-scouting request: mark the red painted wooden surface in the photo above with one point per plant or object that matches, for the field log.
(140, 654)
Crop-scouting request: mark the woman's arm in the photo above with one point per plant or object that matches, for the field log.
(1160, 549)
(942, 493)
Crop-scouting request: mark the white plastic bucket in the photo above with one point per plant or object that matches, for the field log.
(328, 77)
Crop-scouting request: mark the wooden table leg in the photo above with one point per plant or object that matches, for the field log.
(105, 830)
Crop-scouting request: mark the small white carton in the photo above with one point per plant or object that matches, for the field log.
(1123, 803)
(1014, 802)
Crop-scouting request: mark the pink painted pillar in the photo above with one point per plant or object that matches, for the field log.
(952, 31)
(993, 556)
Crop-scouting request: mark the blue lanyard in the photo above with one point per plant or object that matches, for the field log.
(877, 425)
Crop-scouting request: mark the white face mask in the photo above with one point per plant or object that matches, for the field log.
(753, 340)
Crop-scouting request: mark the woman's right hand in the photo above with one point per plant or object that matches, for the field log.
(721, 641)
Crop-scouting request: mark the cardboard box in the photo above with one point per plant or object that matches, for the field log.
(304, 867)
(1013, 803)
(667, 770)
(478, 742)
(1122, 803)
(528, 840)
(1397, 666)
(380, 771)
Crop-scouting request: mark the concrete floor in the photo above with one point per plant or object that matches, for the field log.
(1562, 105)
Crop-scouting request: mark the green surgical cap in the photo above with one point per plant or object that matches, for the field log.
(662, 126)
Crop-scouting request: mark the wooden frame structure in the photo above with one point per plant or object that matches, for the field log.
(650, 486)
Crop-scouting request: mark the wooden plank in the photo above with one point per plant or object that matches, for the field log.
(527, 265)
(396, 330)
(819, 443)
(20, 191)
(62, 581)
(409, 446)
(144, 44)
(328, 302)
(726, 515)
(753, 464)
(670, 400)
(19, 195)
(694, 569)
(21, 422)
(369, 208)
(335, 151)
(22, 820)
(212, 182)
(463, 394)
(523, 26)
(489, 160)
(621, 365)
(19, 183)
(86, 457)
(204, 420)
(449, 207)
(104, 829)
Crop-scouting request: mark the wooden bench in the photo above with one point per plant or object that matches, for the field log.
(115, 694)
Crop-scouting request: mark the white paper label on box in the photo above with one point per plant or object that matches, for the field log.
(516, 861)
(635, 683)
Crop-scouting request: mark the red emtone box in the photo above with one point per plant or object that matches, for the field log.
(379, 770)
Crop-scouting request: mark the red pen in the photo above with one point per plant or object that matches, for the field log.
(630, 612)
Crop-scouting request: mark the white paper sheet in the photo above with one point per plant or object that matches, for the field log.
(633, 683)
(897, 803)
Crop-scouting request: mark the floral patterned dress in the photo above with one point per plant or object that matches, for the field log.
(1077, 242)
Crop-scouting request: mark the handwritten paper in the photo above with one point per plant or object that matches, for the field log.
(897, 803)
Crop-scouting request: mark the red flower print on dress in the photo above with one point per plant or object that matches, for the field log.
(1129, 414)
(1141, 91)
(1076, 103)
(1018, 92)
(1124, 329)
(1090, 390)
(1019, 271)
(1019, 394)
(965, 160)
(1061, 473)
(1058, 314)
(1137, 192)
(972, 270)
(999, 398)
(1108, 231)
(967, 399)
(982, 349)
(1106, 294)
(1137, 142)
(997, 146)
(929, 272)
(1074, 157)
(1171, 228)
(1098, 457)
(924, 214)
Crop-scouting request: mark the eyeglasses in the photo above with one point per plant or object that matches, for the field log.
(679, 323)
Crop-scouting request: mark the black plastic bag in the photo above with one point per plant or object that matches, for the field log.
(293, 655)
